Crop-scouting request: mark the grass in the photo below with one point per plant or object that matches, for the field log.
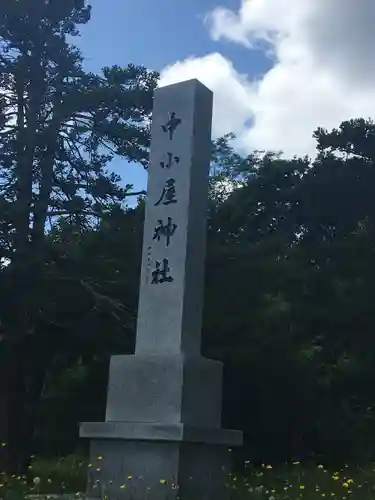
(305, 481)
(46, 477)
(293, 481)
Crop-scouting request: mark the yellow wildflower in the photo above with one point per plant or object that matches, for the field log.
(100, 457)
(346, 485)
(163, 481)
(301, 486)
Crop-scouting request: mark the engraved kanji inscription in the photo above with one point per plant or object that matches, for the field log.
(168, 194)
(171, 124)
(161, 273)
(171, 160)
(164, 230)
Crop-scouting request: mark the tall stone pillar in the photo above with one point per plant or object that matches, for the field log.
(162, 432)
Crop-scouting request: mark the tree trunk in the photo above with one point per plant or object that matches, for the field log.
(13, 398)
(13, 371)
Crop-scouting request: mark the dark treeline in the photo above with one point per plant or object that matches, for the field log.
(290, 269)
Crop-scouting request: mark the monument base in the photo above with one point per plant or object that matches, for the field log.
(131, 461)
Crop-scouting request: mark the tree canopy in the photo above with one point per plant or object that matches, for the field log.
(60, 128)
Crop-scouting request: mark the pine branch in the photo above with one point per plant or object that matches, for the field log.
(62, 213)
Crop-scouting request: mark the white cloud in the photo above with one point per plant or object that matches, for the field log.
(323, 72)
(228, 85)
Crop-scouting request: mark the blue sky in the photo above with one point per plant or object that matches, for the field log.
(155, 33)
(314, 65)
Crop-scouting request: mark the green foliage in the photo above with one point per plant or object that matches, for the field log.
(60, 128)
(289, 481)
(288, 307)
(304, 481)
(290, 268)
(62, 476)
(89, 313)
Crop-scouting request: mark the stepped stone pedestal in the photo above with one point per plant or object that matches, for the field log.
(162, 435)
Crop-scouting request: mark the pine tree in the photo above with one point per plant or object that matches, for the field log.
(60, 127)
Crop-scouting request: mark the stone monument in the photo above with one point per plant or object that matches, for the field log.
(162, 434)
